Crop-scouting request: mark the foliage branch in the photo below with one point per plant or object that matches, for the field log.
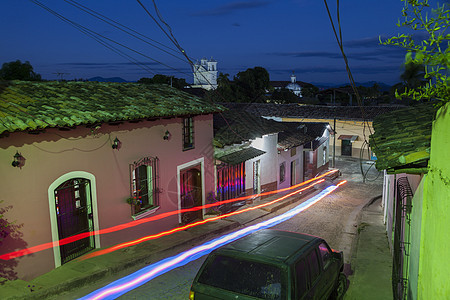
(433, 52)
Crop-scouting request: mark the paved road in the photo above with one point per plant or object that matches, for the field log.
(334, 218)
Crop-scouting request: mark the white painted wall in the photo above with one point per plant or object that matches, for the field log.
(269, 161)
(323, 153)
(285, 156)
(389, 196)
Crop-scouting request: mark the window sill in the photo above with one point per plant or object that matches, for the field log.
(145, 213)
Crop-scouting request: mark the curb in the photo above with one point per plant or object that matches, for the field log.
(358, 223)
(372, 201)
(94, 276)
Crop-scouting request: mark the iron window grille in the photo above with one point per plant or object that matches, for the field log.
(401, 245)
(144, 185)
(230, 181)
(188, 133)
(282, 172)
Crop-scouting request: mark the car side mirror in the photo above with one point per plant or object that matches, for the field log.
(338, 255)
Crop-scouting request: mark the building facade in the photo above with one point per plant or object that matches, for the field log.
(98, 157)
(205, 74)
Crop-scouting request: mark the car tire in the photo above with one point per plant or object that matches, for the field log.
(341, 287)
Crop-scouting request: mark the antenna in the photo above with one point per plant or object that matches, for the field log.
(60, 75)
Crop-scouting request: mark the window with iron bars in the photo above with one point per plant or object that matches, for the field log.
(230, 181)
(144, 189)
(188, 133)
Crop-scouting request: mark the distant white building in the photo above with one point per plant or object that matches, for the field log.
(293, 86)
(205, 74)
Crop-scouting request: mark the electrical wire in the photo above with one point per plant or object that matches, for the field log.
(85, 29)
(159, 25)
(94, 36)
(172, 38)
(361, 156)
(349, 73)
(123, 28)
(81, 150)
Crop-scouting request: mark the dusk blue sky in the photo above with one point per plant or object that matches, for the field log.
(279, 35)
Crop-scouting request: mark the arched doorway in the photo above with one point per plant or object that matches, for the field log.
(74, 215)
(191, 193)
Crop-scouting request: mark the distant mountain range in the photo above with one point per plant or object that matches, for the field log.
(111, 79)
(383, 86)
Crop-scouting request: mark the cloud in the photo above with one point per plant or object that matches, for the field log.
(231, 8)
(105, 65)
(308, 54)
(378, 53)
(368, 42)
(361, 69)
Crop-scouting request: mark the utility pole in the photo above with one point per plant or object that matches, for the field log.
(334, 129)
(334, 142)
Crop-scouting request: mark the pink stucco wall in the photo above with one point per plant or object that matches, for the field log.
(54, 153)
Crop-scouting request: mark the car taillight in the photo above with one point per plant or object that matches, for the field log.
(191, 295)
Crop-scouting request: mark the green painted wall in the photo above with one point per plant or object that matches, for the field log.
(434, 264)
(416, 220)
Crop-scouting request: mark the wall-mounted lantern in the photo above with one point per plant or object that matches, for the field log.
(19, 160)
(116, 144)
(167, 135)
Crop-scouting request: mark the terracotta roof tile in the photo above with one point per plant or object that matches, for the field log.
(37, 105)
(313, 111)
(402, 138)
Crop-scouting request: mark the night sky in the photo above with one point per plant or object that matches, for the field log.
(282, 36)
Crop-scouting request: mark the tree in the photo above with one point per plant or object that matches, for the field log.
(10, 240)
(252, 84)
(310, 91)
(433, 52)
(16, 70)
(284, 96)
(247, 86)
(413, 75)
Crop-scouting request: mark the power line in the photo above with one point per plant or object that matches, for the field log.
(130, 31)
(349, 73)
(86, 31)
(92, 33)
(350, 76)
(175, 42)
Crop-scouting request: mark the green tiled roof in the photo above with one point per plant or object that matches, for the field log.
(241, 155)
(38, 105)
(237, 126)
(402, 139)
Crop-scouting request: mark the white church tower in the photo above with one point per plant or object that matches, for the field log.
(294, 86)
(205, 74)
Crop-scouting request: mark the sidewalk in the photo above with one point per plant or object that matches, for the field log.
(371, 263)
(371, 260)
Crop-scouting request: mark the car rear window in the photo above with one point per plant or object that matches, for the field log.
(244, 277)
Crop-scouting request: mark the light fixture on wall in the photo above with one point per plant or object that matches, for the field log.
(167, 135)
(116, 144)
(18, 161)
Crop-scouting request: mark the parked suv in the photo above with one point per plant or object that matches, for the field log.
(271, 264)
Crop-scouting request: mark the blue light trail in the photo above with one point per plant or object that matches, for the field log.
(138, 278)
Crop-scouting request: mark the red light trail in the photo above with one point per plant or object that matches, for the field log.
(80, 236)
(164, 233)
(132, 281)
